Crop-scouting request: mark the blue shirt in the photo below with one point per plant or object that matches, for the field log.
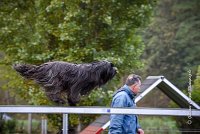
(123, 124)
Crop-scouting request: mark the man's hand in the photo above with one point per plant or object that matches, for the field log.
(140, 131)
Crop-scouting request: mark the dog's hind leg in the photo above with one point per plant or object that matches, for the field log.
(73, 99)
(74, 95)
(55, 96)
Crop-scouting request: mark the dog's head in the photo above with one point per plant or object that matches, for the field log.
(107, 71)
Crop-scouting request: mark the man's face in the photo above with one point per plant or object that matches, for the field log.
(136, 87)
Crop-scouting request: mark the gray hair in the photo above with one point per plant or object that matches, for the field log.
(132, 79)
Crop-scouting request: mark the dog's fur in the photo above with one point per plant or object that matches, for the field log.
(60, 79)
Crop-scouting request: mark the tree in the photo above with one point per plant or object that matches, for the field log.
(196, 87)
(74, 31)
(195, 96)
(173, 46)
(183, 122)
(172, 41)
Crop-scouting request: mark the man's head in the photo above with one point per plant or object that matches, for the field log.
(134, 82)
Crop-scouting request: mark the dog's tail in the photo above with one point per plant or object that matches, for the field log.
(25, 70)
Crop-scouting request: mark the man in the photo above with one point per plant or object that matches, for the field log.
(124, 97)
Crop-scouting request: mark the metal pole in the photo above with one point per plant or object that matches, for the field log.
(29, 123)
(101, 110)
(65, 123)
(44, 126)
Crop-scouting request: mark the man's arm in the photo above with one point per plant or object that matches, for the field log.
(116, 121)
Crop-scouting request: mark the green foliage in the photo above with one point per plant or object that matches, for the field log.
(7, 127)
(73, 31)
(173, 46)
(18, 126)
(99, 97)
(76, 31)
(164, 125)
(161, 125)
(196, 88)
(22, 125)
(173, 41)
(182, 122)
(24, 90)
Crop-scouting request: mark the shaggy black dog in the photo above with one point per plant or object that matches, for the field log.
(62, 79)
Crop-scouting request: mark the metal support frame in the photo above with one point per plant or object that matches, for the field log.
(65, 123)
(100, 110)
(95, 110)
(29, 123)
(44, 125)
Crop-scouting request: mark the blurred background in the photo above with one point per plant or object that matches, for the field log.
(146, 37)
